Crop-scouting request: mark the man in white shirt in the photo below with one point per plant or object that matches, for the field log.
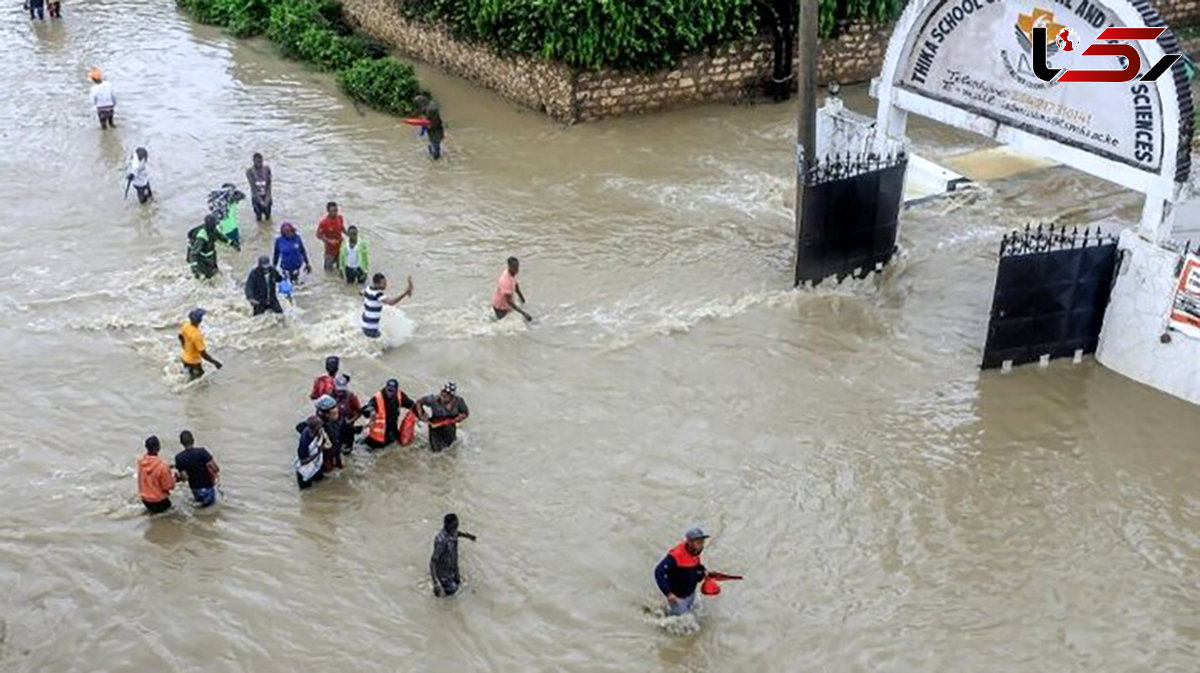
(138, 175)
(103, 99)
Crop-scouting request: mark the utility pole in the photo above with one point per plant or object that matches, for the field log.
(806, 123)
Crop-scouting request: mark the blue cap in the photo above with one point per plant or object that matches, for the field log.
(696, 533)
(196, 314)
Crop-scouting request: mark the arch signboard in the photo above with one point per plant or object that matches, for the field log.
(971, 64)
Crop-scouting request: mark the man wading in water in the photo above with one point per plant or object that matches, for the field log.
(502, 300)
(373, 301)
(446, 411)
(443, 565)
(259, 177)
(193, 350)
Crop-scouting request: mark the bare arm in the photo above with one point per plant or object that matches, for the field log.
(519, 294)
(401, 297)
(216, 363)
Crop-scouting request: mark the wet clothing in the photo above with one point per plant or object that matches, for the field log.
(436, 129)
(309, 455)
(390, 431)
(506, 287)
(290, 255)
(354, 261)
(102, 95)
(331, 453)
(39, 7)
(372, 311)
(322, 385)
(138, 175)
(442, 437)
(330, 232)
(202, 251)
(155, 481)
(443, 564)
(193, 344)
(55, 9)
(193, 463)
(144, 194)
(262, 289)
(260, 191)
(679, 572)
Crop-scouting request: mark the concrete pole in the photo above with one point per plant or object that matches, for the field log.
(806, 122)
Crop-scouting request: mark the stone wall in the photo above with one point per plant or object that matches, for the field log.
(732, 73)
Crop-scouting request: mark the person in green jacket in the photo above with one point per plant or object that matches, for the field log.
(202, 248)
(353, 258)
(223, 204)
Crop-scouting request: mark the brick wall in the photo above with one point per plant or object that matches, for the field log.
(732, 73)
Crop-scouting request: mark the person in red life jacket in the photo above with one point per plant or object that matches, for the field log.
(350, 410)
(324, 385)
(680, 572)
(155, 478)
(384, 413)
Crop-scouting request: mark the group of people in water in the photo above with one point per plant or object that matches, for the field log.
(339, 421)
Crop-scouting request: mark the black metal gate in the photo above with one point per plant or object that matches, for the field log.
(1052, 289)
(849, 216)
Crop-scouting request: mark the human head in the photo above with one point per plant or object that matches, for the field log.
(341, 385)
(514, 266)
(450, 523)
(141, 153)
(196, 315)
(264, 261)
(287, 230)
(352, 234)
(326, 404)
(379, 281)
(96, 76)
(391, 388)
(331, 208)
(332, 363)
(210, 222)
(313, 422)
(186, 439)
(257, 159)
(421, 101)
(448, 391)
(152, 445)
(695, 539)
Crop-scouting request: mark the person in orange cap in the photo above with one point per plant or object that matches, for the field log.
(103, 98)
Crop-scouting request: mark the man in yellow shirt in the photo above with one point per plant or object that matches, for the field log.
(192, 347)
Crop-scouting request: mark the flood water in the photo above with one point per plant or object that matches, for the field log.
(892, 508)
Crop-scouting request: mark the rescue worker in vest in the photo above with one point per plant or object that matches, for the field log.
(202, 248)
(310, 452)
(443, 564)
(446, 411)
(680, 572)
(323, 385)
(384, 413)
(331, 418)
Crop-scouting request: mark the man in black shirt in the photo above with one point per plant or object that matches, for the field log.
(262, 287)
(446, 411)
(196, 465)
(443, 565)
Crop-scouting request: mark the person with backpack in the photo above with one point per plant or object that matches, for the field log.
(202, 248)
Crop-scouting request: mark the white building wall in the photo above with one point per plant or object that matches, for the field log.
(1137, 317)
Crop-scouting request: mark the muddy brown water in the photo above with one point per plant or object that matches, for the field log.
(892, 508)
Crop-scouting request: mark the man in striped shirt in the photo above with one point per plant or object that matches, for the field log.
(373, 301)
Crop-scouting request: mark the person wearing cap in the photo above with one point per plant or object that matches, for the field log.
(681, 571)
(445, 411)
(310, 452)
(262, 286)
(443, 564)
(506, 287)
(155, 479)
(259, 177)
(324, 384)
(290, 255)
(373, 301)
(331, 420)
(202, 248)
(350, 410)
(354, 260)
(193, 350)
(103, 98)
(196, 465)
(384, 413)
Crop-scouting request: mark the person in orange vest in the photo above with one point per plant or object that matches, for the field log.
(383, 410)
(680, 572)
(155, 478)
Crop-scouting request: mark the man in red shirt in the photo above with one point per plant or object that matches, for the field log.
(330, 231)
(324, 385)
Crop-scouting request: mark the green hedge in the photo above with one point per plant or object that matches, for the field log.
(623, 34)
(316, 32)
